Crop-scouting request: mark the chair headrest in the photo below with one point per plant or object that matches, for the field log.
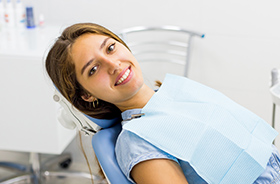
(70, 117)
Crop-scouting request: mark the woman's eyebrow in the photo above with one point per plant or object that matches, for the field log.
(86, 65)
(104, 43)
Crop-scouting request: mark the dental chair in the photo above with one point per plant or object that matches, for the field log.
(106, 131)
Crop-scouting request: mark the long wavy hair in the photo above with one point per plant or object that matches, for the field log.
(61, 69)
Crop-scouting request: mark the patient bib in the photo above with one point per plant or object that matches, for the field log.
(224, 142)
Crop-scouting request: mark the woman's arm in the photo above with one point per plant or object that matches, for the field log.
(158, 171)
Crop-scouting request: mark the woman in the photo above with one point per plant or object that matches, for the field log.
(97, 73)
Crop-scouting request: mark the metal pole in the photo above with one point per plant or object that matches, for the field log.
(273, 117)
(35, 167)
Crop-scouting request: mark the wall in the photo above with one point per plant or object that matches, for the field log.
(241, 46)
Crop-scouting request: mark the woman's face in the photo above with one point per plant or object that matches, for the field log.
(106, 69)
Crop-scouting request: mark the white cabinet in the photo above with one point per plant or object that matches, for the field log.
(28, 113)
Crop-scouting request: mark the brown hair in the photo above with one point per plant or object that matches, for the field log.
(61, 69)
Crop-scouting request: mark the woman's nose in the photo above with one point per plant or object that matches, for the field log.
(113, 65)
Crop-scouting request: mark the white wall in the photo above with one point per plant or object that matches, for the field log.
(241, 46)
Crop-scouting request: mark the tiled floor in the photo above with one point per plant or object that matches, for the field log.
(78, 164)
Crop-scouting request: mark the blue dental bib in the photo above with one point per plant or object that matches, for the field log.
(224, 142)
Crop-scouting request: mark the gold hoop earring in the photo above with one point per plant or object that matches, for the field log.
(95, 103)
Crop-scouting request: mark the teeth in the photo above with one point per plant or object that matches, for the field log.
(125, 75)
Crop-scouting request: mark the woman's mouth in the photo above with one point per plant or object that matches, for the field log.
(124, 76)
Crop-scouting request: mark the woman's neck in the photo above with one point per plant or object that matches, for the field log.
(139, 100)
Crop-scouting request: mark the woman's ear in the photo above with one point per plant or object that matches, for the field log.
(88, 97)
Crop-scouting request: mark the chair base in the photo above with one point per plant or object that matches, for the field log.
(37, 173)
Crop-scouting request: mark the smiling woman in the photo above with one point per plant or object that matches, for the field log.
(97, 73)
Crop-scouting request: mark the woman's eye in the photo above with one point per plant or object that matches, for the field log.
(111, 47)
(92, 71)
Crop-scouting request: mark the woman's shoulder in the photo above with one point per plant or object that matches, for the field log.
(130, 146)
(132, 149)
(130, 142)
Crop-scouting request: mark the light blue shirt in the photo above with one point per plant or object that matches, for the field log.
(132, 149)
